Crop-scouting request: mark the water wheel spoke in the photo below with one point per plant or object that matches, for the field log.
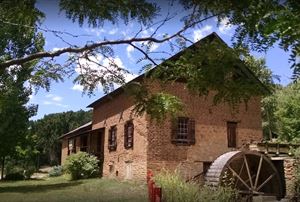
(240, 172)
(245, 192)
(248, 171)
(252, 177)
(250, 192)
(258, 171)
(235, 174)
(266, 181)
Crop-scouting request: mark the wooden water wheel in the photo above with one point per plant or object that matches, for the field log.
(251, 173)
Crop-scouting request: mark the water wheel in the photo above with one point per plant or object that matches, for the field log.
(251, 173)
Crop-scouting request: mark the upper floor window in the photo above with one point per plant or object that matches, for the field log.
(112, 138)
(71, 146)
(128, 134)
(231, 134)
(183, 131)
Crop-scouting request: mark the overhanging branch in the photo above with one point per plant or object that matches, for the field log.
(88, 47)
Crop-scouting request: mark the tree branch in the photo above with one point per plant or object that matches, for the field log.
(88, 47)
(144, 53)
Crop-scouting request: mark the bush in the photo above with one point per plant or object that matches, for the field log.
(176, 189)
(81, 165)
(14, 176)
(28, 172)
(56, 171)
(14, 171)
(220, 193)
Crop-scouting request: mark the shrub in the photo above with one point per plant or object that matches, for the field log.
(56, 171)
(14, 176)
(28, 172)
(81, 165)
(224, 194)
(14, 171)
(176, 189)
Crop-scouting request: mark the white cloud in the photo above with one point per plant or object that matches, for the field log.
(145, 33)
(225, 27)
(57, 98)
(129, 77)
(200, 33)
(47, 103)
(97, 32)
(113, 31)
(54, 98)
(56, 49)
(111, 64)
(129, 50)
(77, 87)
(55, 104)
(154, 47)
(31, 98)
(108, 62)
(93, 62)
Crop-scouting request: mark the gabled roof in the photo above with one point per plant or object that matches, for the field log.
(210, 37)
(80, 130)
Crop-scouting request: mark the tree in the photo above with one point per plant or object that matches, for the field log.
(14, 113)
(14, 91)
(288, 112)
(255, 28)
(269, 102)
(48, 129)
(260, 24)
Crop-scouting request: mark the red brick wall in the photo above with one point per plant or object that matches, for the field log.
(129, 163)
(152, 141)
(211, 132)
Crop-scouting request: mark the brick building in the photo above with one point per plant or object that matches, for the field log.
(129, 145)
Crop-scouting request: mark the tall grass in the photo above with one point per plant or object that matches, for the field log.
(176, 189)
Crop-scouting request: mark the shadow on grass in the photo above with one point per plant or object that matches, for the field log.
(38, 188)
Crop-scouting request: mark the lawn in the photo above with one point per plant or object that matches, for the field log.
(61, 189)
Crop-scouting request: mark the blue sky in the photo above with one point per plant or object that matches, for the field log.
(66, 96)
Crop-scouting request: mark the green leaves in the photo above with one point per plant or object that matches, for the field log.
(81, 165)
(281, 112)
(212, 67)
(288, 112)
(96, 12)
(158, 105)
(259, 24)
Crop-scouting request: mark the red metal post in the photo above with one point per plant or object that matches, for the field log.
(157, 194)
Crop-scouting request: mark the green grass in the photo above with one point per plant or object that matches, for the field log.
(60, 189)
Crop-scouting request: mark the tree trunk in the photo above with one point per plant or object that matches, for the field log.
(270, 130)
(2, 166)
(52, 157)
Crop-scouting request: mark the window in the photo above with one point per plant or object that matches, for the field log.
(84, 143)
(183, 131)
(71, 146)
(231, 134)
(128, 135)
(112, 138)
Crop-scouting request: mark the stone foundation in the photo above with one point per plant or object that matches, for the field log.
(289, 174)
